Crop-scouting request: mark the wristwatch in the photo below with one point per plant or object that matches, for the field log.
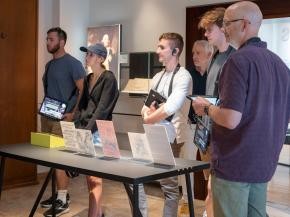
(206, 108)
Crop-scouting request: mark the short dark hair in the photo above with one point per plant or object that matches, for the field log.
(60, 32)
(176, 40)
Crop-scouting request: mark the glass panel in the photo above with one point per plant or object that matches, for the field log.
(136, 75)
(276, 32)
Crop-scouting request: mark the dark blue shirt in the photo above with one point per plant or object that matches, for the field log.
(255, 82)
(61, 76)
(198, 88)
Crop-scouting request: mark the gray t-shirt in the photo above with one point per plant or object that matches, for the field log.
(214, 69)
(61, 76)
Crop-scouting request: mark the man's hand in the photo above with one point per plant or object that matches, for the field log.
(198, 105)
(68, 116)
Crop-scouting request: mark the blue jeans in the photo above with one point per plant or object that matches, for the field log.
(238, 199)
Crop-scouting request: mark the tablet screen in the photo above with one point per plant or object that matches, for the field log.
(52, 108)
(211, 99)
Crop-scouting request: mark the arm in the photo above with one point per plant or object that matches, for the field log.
(175, 101)
(152, 115)
(80, 86)
(233, 93)
(227, 118)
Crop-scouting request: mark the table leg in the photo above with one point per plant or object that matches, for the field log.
(136, 200)
(53, 191)
(2, 166)
(40, 194)
(128, 189)
(189, 194)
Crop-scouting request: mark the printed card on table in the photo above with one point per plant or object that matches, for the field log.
(139, 146)
(85, 142)
(159, 144)
(69, 135)
(108, 138)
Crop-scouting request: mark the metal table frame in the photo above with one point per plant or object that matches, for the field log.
(136, 173)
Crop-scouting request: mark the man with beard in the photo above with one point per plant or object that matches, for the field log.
(62, 80)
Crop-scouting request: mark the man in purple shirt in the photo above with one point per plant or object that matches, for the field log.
(251, 119)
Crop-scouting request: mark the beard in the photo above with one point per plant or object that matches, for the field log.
(54, 49)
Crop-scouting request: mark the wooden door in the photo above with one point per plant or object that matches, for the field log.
(18, 88)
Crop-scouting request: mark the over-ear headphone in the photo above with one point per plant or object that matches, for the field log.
(174, 51)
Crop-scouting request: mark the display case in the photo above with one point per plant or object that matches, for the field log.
(136, 71)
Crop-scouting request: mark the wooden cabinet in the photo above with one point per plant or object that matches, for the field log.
(18, 87)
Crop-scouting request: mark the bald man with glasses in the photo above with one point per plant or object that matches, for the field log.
(250, 121)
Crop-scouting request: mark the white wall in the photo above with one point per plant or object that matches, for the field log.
(276, 32)
(48, 16)
(71, 15)
(143, 21)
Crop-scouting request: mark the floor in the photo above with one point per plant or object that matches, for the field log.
(17, 202)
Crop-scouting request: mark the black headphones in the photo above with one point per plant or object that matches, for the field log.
(174, 51)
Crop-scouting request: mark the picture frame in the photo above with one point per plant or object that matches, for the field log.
(110, 37)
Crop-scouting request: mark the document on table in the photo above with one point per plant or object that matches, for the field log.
(159, 144)
(69, 135)
(140, 147)
(85, 142)
(108, 138)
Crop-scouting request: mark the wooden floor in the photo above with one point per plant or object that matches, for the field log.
(18, 202)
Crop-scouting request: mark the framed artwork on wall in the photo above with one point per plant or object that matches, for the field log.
(110, 37)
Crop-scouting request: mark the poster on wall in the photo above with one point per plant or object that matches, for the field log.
(110, 37)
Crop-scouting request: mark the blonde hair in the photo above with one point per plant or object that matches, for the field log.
(214, 16)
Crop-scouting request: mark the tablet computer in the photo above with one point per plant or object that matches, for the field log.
(154, 96)
(211, 99)
(52, 108)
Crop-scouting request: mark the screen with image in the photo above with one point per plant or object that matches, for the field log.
(52, 108)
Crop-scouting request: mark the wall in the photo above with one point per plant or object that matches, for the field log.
(73, 16)
(142, 23)
(276, 32)
(143, 20)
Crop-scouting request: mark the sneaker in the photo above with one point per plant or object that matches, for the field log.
(48, 203)
(204, 214)
(60, 208)
(183, 210)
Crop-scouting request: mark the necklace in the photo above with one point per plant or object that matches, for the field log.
(93, 80)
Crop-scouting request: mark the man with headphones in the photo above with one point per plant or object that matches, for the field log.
(174, 83)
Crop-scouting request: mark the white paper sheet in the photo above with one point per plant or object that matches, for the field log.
(108, 138)
(85, 142)
(69, 135)
(159, 144)
(139, 146)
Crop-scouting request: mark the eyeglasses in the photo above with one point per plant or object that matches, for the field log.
(226, 23)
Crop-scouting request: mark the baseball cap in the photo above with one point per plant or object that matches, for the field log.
(98, 49)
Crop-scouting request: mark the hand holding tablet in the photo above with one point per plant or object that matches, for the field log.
(211, 99)
(52, 108)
